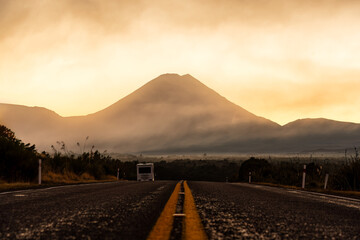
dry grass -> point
(54, 179)
(70, 177)
(66, 177)
(4, 186)
(109, 178)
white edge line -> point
(298, 191)
(48, 188)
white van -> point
(145, 171)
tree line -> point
(19, 162)
(343, 175)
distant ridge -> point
(176, 114)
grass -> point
(54, 179)
(69, 177)
(4, 186)
(66, 177)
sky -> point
(280, 59)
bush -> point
(347, 177)
(18, 161)
(259, 168)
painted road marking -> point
(163, 226)
(321, 197)
(192, 226)
(56, 187)
(179, 215)
(19, 195)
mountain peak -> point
(166, 86)
(174, 77)
(169, 75)
(180, 97)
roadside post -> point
(303, 178)
(39, 171)
(249, 177)
(118, 174)
(326, 180)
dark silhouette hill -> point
(36, 125)
(320, 135)
(176, 114)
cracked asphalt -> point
(120, 210)
(243, 211)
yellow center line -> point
(163, 226)
(192, 227)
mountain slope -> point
(173, 90)
(174, 113)
(171, 111)
(31, 124)
(320, 134)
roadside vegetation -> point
(19, 167)
(19, 164)
(343, 175)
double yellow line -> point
(192, 226)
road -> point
(121, 210)
(143, 210)
(244, 211)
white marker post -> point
(326, 180)
(118, 174)
(39, 171)
(249, 177)
(303, 178)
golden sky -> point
(280, 59)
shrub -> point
(18, 161)
(259, 168)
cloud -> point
(297, 53)
(330, 93)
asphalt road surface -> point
(121, 210)
(129, 210)
(244, 211)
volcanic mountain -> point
(175, 114)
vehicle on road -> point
(145, 171)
